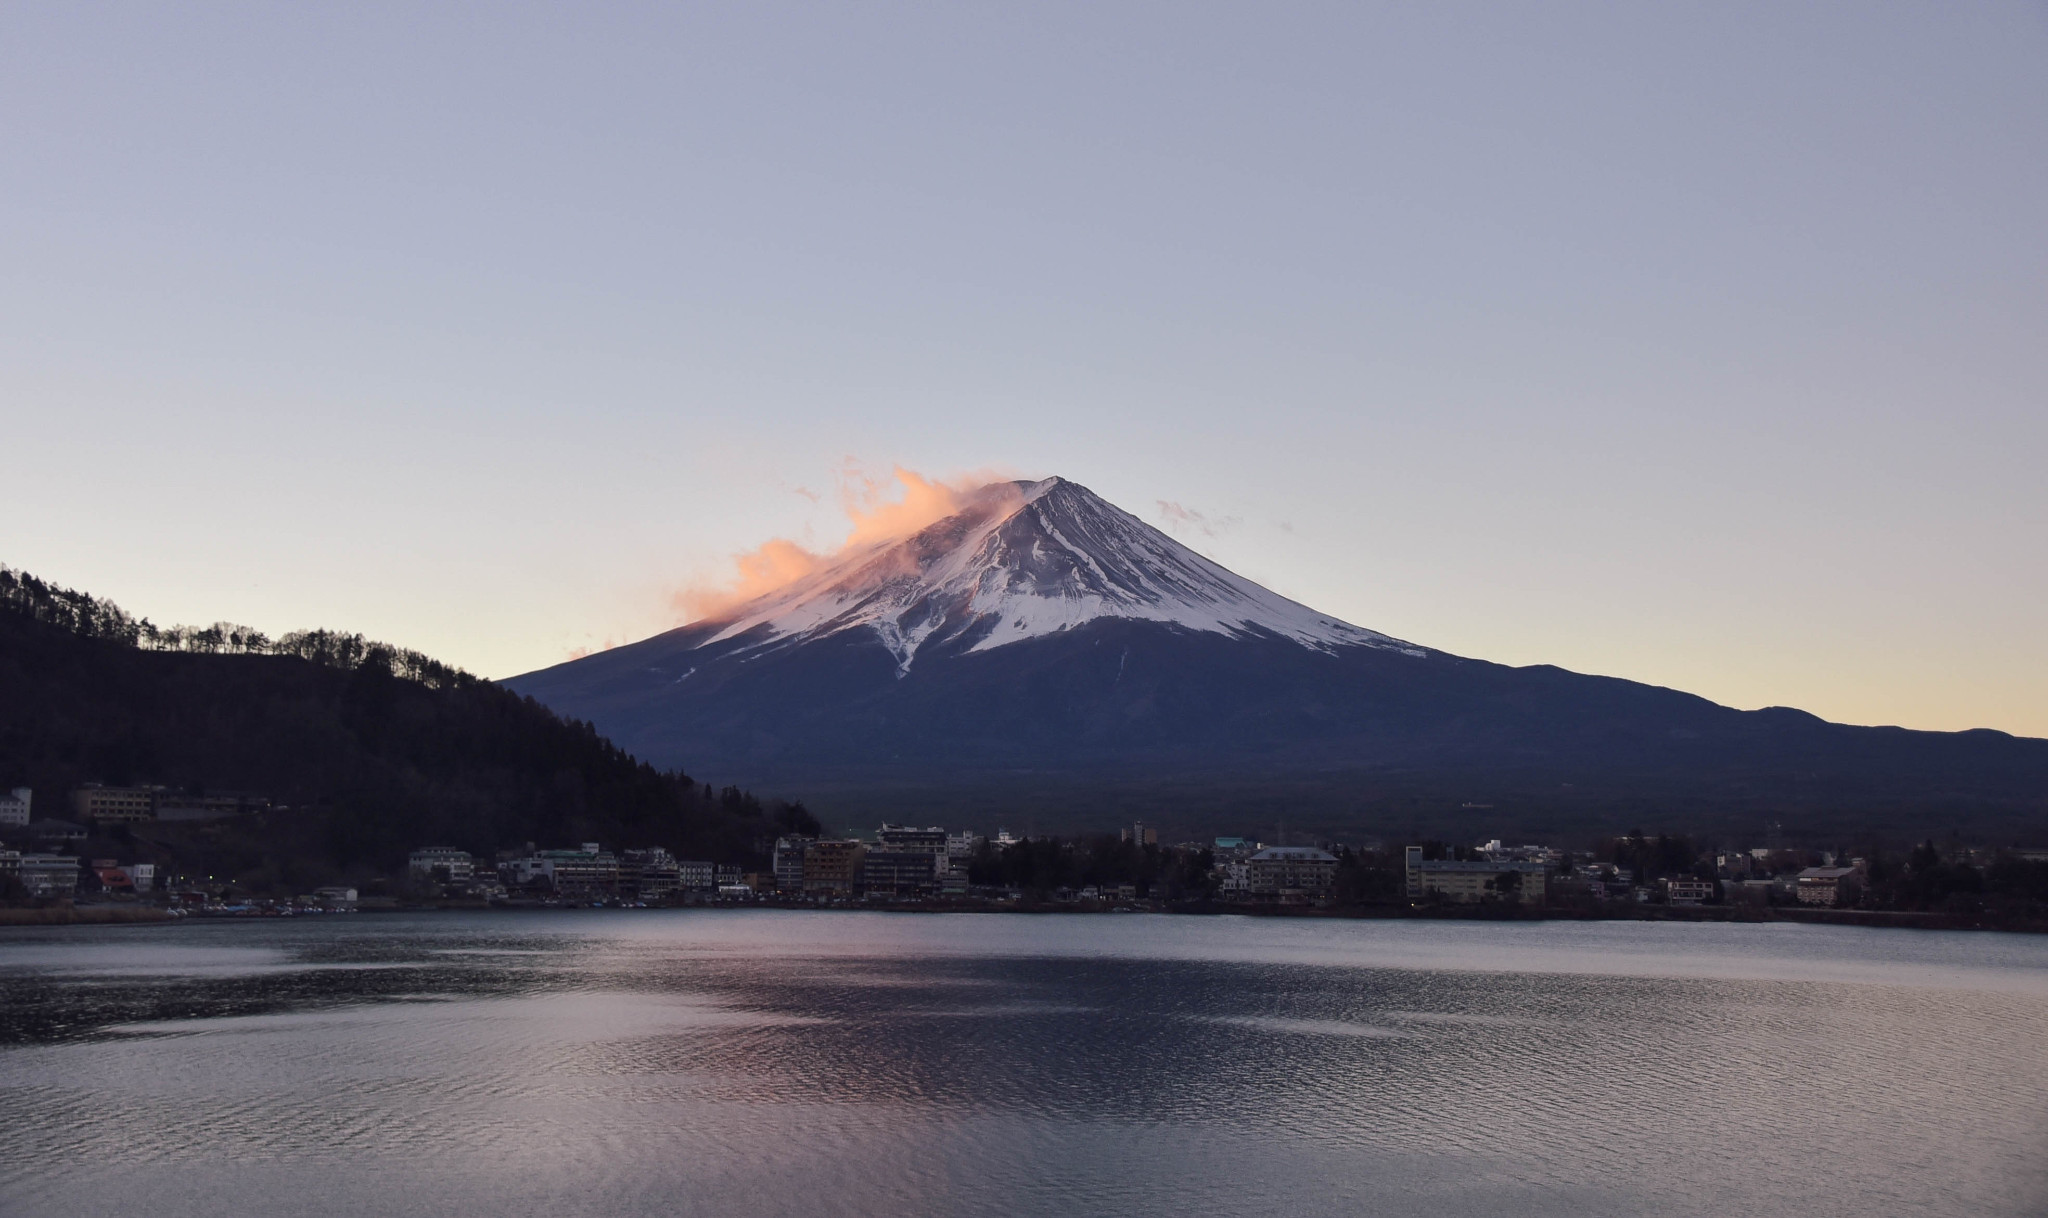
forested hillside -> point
(374, 749)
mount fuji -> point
(1046, 657)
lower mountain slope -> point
(1208, 732)
(1044, 657)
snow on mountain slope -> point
(1027, 559)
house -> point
(1688, 891)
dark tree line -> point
(376, 750)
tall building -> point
(789, 863)
(832, 867)
(898, 873)
(14, 806)
(906, 861)
(1142, 835)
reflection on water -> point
(703, 1062)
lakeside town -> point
(98, 857)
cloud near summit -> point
(878, 510)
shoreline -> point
(87, 915)
(150, 915)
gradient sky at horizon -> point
(1700, 344)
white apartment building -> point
(1291, 871)
(49, 875)
(14, 806)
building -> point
(10, 864)
(898, 873)
(789, 863)
(697, 875)
(114, 805)
(649, 875)
(1482, 880)
(335, 898)
(833, 867)
(1290, 873)
(1141, 835)
(1688, 891)
(579, 874)
(49, 875)
(110, 877)
(14, 807)
(904, 839)
(171, 805)
(960, 847)
(1822, 885)
(55, 833)
(443, 864)
(906, 861)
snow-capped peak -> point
(1022, 560)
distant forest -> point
(371, 750)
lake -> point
(791, 1063)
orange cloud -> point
(878, 510)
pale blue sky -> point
(1696, 344)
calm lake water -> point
(780, 1063)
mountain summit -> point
(1021, 561)
(1045, 657)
